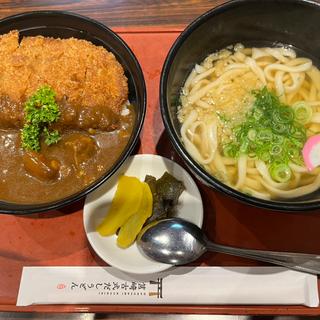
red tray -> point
(58, 238)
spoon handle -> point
(309, 263)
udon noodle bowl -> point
(246, 114)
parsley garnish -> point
(40, 111)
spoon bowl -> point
(176, 241)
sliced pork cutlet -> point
(14, 77)
(89, 82)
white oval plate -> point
(98, 202)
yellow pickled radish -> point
(129, 231)
(125, 203)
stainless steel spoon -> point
(176, 241)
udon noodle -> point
(218, 97)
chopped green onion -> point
(265, 135)
(244, 146)
(237, 131)
(252, 133)
(275, 150)
(265, 156)
(293, 153)
(279, 127)
(299, 133)
(278, 139)
(280, 172)
(297, 143)
(295, 156)
(302, 112)
(283, 115)
(257, 114)
(272, 132)
(230, 150)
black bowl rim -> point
(24, 209)
(214, 183)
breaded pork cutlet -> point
(89, 82)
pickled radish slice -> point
(129, 231)
(311, 152)
(125, 203)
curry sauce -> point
(62, 169)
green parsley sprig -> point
(40, 111)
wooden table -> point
(115, 13)
(233, 223)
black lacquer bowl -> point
(61, 24)
(252, 23)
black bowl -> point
(252, 23)
(65, 25)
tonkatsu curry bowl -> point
(240, 100)
(72, 105)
